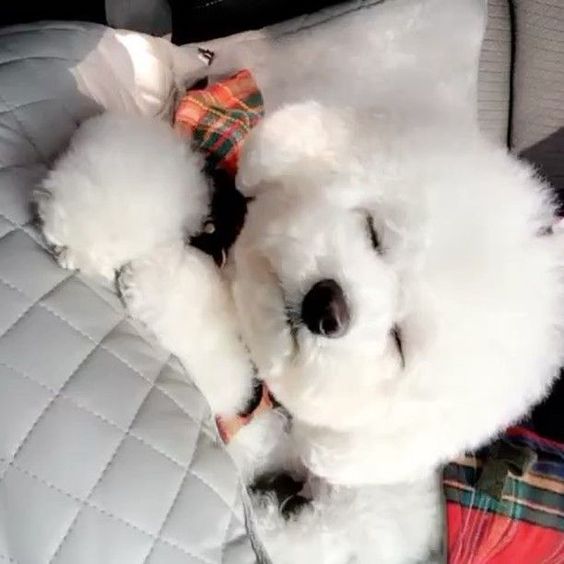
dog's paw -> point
(51, 220)
(64, 257)
(41, 200)
(178, 293)
(42, 216)
(280, 492)
(148, 285)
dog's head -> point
(394, 288)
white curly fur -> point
(465, 272)
(126, 184)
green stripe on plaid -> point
(254, 101)
(512, 509)
(544, 496)
(520, 500)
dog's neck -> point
(225, 221)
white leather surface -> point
(107, 451)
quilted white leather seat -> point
(107, 451)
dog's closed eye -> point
(373, 234)
(397, 337)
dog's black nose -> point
(325, 310)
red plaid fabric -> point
(220, 116)
(525, 524)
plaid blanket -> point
(220, 116)
(506, 506)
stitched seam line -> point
(102, 474)
(119, 358)
(10, 109)
(25, 134)
(98, 344)
(161, 528)
(105, 512)
(11, 222)
(9, 167)
(234, 518)
(90, 411)
(11, 230)
(45, 26)
(28, 309)
(43, 412)
(35, 58)
(229, 522)
(210, 487)
(157, 537)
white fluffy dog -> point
(399, 291)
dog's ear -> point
(303, 139)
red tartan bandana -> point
(228, 427)
(219, 117)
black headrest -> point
(200, 20)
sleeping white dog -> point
(398, 290)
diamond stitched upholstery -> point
(107, 453)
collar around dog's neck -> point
(218, 118)
(260, 402)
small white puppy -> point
(398, 289)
